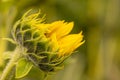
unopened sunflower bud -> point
(46, 45)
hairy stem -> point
(7, 71)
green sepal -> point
(59, 68)
(56, 69)
(22, 68)
(10, 40)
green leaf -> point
(22, 68)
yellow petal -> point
(43, 27)
(60, 28)
(69, 43)
(54, 43)
(75, 46)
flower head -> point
(47, 45)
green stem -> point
(10, 65)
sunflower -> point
(46, 44)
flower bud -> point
(46, 45)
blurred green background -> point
(97, 59)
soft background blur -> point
(97, 59)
